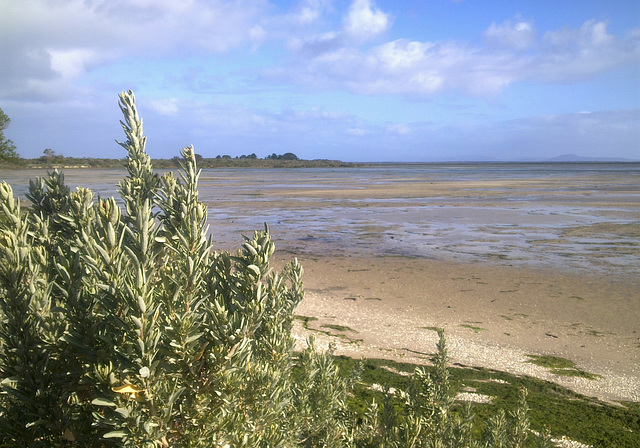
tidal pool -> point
(575, 216)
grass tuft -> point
(567, 413)
(338, 327)
(473, 327)
(561, 366)
(436, 329)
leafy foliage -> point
(7, 148)
(125, 328)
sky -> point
(352, 80)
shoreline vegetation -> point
(275, 161)
(287, 160)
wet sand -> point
(493, 316)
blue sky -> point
(355, 80)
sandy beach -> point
(493, 316)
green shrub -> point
(128, 329)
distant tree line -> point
(7, 148)
(252, 156)
(285, 156)
(52, 159)
(286, 160)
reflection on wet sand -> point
(514, 216)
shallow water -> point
(575, 217)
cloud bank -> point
(513, 52)
(46, 46)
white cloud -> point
(358, 132)
(70, 63)
(45, 45)
(165, 106)
(309, 11)
(362, 23)
(519, 35)
(407, 68)
(318, 45)
(590, 34)
(402, 54)
(365, 21)
(422, 69)
(399, 129)
(577, 54)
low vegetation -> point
(51, 160)
(564, 412)
(560, 366)
(8, 154)
(122, 326)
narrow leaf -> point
(193, 337)
(115, 435)
(103, 402)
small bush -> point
(121, 326)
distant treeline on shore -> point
(288, 160)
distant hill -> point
(577, 158)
